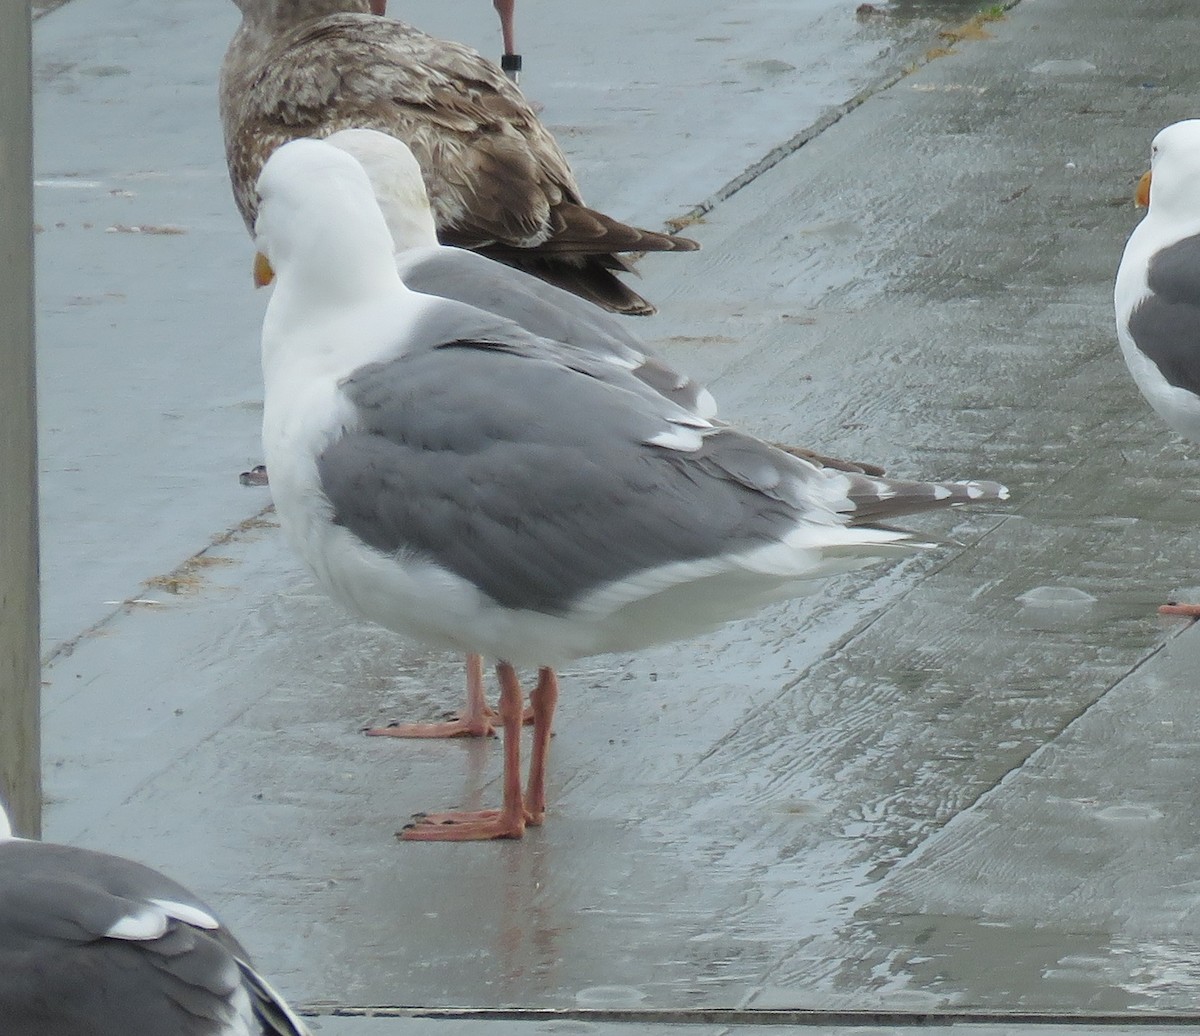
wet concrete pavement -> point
(966, 781)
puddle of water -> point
(609, 996)
(1056, 597)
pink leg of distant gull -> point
(506, 9)
(1190, 611)
(510, 60)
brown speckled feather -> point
(497, 180)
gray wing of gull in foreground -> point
(546, 311)
(92, 943)
(550, 312)
(540, 473)
(1166, 324)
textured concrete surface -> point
(864, 1025)
(952, 783)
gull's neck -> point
(263, 22)
(334, 308)
(409, 227)
(302, 303)
(274, 17)
(1163, 224)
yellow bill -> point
(263, 274)
(1141, 197)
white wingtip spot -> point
(941, 493)
(194, 916)
(148, 923)
(683, 440)
(690, 421)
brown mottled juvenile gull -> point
(452, 476)
(99, 945)
(497, 180)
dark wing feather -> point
(1166, 324)
(62, 974)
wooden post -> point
(20, 675)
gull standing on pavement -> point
(1157, 293)
(451, 476)
(546, 311)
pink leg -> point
(378, 7)
(1190, 611)
(543, 699)
(509, 822)
(474, 721)
(506, 9)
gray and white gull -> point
(99, 945)
(453, 476)
(540, 307)
(547, 311)
(1157, 291)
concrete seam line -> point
(789, 147)
(65, 648)
(765, 1016)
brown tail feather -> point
(590, 277)
(860, 467)
(576, 228)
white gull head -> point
(1173, 217)
(320, 227)
(1175, 171)
(396, 179)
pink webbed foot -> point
(1188, 611)
(472, 816)
(475, 826)
(474, 721)
(463, 726)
